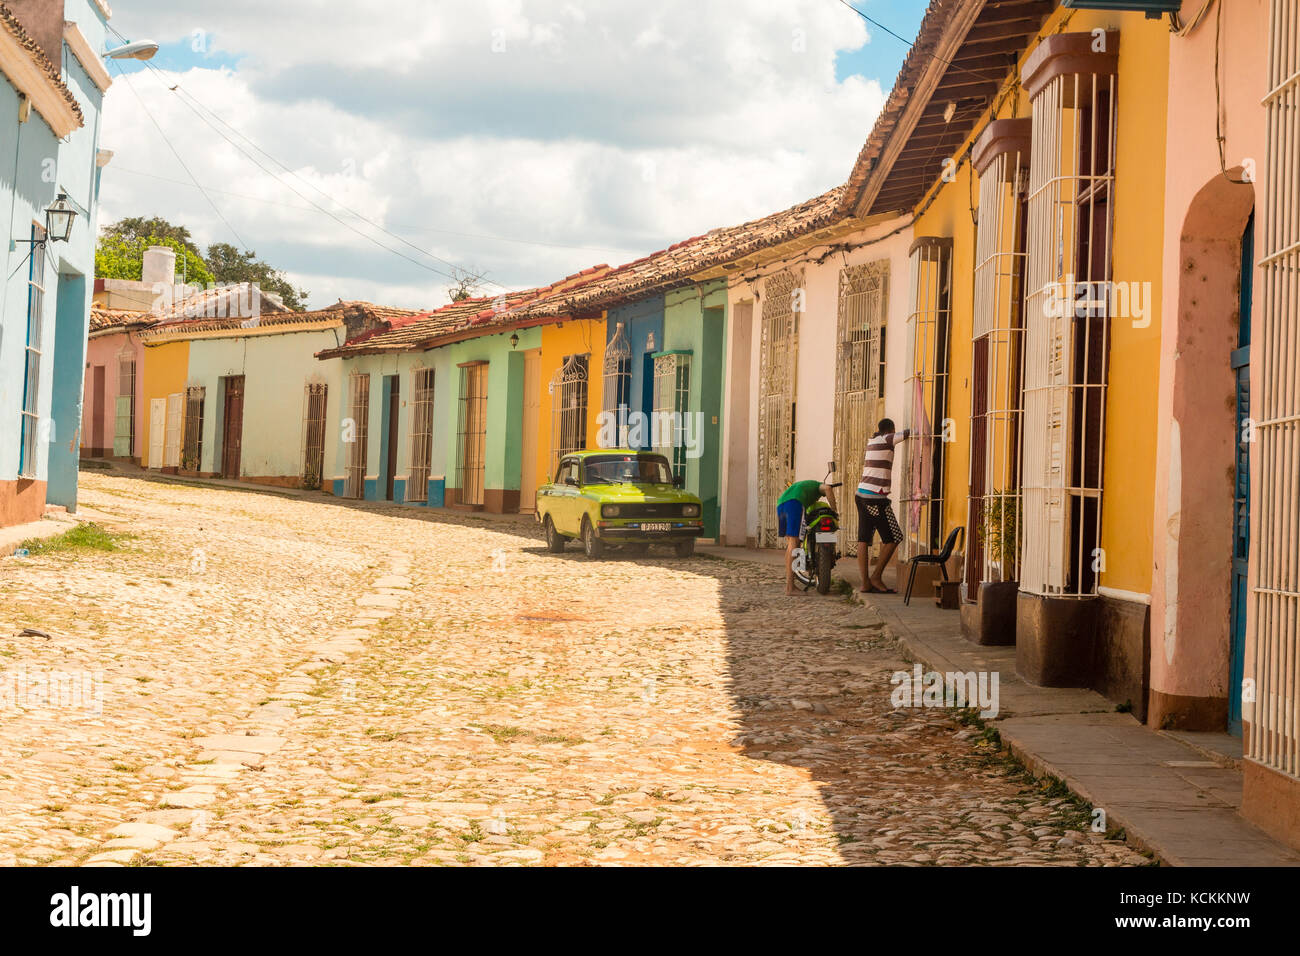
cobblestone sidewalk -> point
(302, 680)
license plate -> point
(656, 526)
(827, 537)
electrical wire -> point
(912, 45)
(176, 153)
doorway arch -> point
(1191, 595)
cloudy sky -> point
(521, 139)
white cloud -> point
(603, 124)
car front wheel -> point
(555, 541)
(684, 548)
(591, 544)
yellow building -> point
(163, 381)
(1032, 358)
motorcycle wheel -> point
(825, 564)
(805, 577)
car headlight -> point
(690, 511)
(609, 511)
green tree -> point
(121, 256)
(230, 265)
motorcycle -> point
(814, 559)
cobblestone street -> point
(300, 680)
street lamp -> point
(140, 50)
(58, 219)
(58, 222)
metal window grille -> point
(417, 482)
(929, 321)
(859, 375)
(124, 412)
(472, 439)
(778, 356)
(672, 399)
(1069, 230)
(192, 449)
(29, 454)
(354, 485)
(315, 402)
(1273, 656)
(569, 408)
(993, 524)
(617, 385)
(175, 429)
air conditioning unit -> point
(1154, 9)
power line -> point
(175, 153)
(911, 45)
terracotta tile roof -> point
(102, 320)
(9, 23)
(230, 304)
(674, 266)
(468, 318)
(184, 328)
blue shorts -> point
(789, 519)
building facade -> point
(50, 100)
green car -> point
(621, 498)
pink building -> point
(110, 415)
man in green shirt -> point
(790, 507)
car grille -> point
(650, 511)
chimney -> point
(159, 266)
(43, 21)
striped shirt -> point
(878, 464)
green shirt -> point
(807, 493)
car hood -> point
(639, 493)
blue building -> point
(50, 100)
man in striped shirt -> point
(875, 513)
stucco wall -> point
(1192, 521)
(34, 168)
(164, 371)
(105, 350)
(815, 387)
(276, 370)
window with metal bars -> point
(617, 386)
(569, 407)
(124, 411)
(192, 447)
(29, 446)
(672, 400)
(1067, 304)
(926, 393)
(417, 483)
(357, 430)
(1001, 158)
(315, 399)
(1273, 662)
(859, 374)
(472, 437)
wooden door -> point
(531, 423)
(232, 433)
(97, 410)
(157, 431)
(394, 407)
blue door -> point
(1241, 489)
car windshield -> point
(629, 469)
